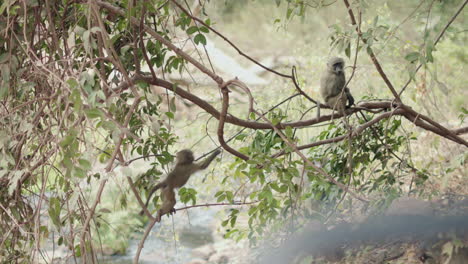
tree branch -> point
(308, 162)
(228, 41)
(167, 43)
(371, 53)
(222, 118)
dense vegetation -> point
(89, 88)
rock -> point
(460, 256)
(197, 261)
(204, 252)
(410, 206)
(196, 236)
(315, 226)
(219, 258)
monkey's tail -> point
(155, 188)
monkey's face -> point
(336, 65)
(338, 68)
(185, 156)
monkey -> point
(177, 178)
(332, 84)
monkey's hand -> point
(349, 98)
(161, 213)
(158, 217)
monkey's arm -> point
(205, 163)
(349, 97)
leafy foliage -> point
(72, 114)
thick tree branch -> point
(298, 124)
(241, 122)
(417, 120)
(460, 131)
(447, 133)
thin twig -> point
(141, 245)
(442, 32)
(371, 53)
(228, 41)
(104, 181)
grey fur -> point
(332, 83)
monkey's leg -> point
(153, 190)
(337, 102)
(168, 196)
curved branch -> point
(142, 241)
(140, 202)
(298, 88)
(246, 123)
(447, 133)
(409, 114)
(222, 119)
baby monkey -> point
(332, 84)
(177, 178)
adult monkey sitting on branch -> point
(178, 177)
(333, 83)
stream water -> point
(172, 241)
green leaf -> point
(204, 29)
(54, 210)
(230, 196)
(348, 50)
(412, 56)
(170, 115)
(67, 140)
(221, 198)
(199, 38)
(429, 50)
(192, 30)
(289, 12)
(93, 113)
(172, 105)
(376, 19)
(85, 164)
(80, 173)
(289, 132)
